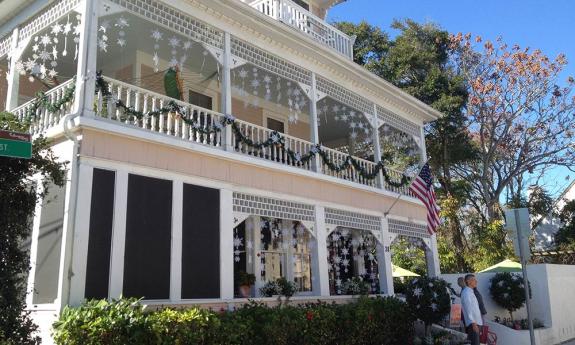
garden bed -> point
(380, 320)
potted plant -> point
(245, 281)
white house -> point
(545, 231)
(266, 161)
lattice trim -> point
(45, 18)
(352, 220)
(343, 95)
(5, 43)
(269, 61)
(175, 20)
(398, 122)
(408, 229)
(274, 208)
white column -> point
(13, 77)
(81, 235)
(384, 260)
(34, 243)
(64, 271)
(118, 235)
(176, 252)
(226, 99)
(377, 147)
(422, 146)
(432, 257)
(320, 274)
(226, 244)
(87, 58)
(314, 130)
(253, 226)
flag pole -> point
(386, 213)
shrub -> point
(379, 321)
(280, 286)
(508, 291)
(99, 322)
(428, 299)
(356, 286)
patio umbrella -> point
(504, 266)
(402, 272)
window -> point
(200, 100)
(275, 125)
(352, 254)
(302, 4)
(283, 250)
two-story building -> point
(221, 136)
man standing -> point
(473, 319)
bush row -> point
(382, 320)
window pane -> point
(148, 238)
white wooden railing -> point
(350, 173)
(143, 100)
(298, 17)
(43, 119)
(275, 152)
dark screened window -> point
(100, 234)
(200, 100)
(302, 4)
(276, 125)
(148, 238)
(201, 242)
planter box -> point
(509, 336)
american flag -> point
(422, 188)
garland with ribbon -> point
(43, 101)
(275, 138)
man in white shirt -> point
(471, 311)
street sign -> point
(517, 223)
(15, 145)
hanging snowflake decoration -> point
(47, 48)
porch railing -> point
(41, 117)
(303, 20)
(142, 100)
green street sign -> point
(15, 145)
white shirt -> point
(470, 306)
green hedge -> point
(379, 321)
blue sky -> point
(548, 25)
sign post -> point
(15, 145)
(517, 223)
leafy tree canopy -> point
(18, 199)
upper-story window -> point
(302, 4)
(200, 100)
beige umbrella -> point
(402, 272)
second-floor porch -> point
(184, 79)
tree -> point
(17, 203)
(565, 237)
(418, 61)
(521, 120)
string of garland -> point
(43, 101)
(275, 138)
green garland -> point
(275, 139)
(43, 101)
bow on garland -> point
(275, 138)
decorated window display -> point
(352, 262)
(282, 250)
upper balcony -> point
(304, 21)
(286, 116)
